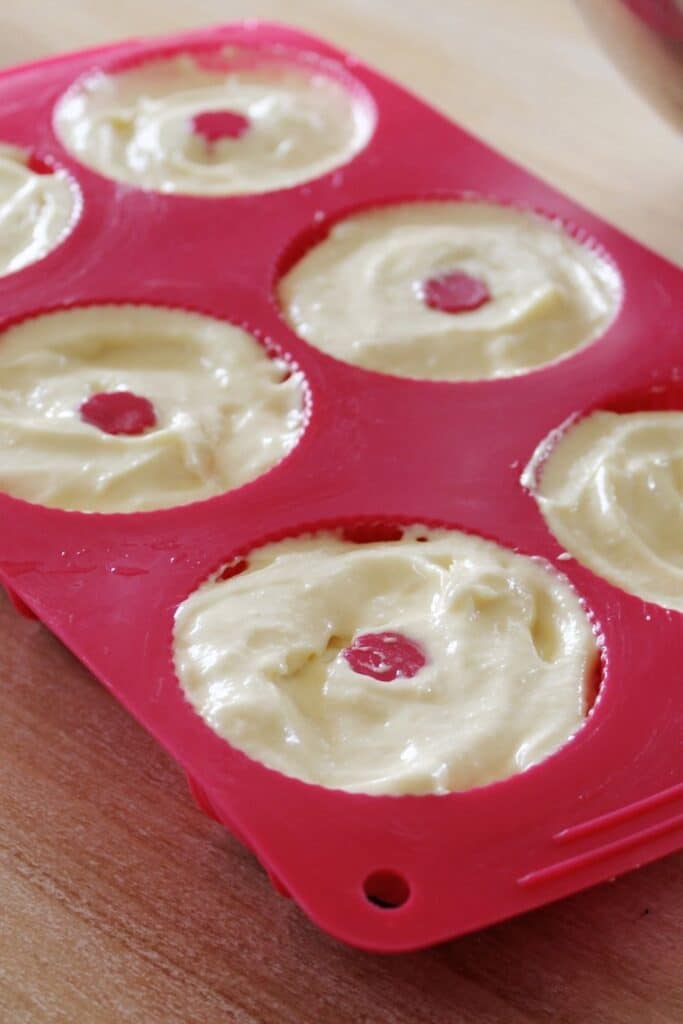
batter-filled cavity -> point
(38, 205)
(611, 491)
(221, 124)
(449, 291)
(128, 408)
(430, 663)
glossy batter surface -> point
(36, 210)
(226, 125)
(410, 666)
(384, 291)
(127, 408)
(611, 491)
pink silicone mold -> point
(383, 873)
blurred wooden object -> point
(644, 38)
(119, 901)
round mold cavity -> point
(216, 121)
(162, 406)
(447, 287)
(389, 685)
(609, 485)
(40, 204)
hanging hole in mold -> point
(386, 889)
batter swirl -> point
(449, 291)
(36, 209)
(611, 491)
(433, 663)
(127, 408)
(236, 123)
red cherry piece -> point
(372, 533)
(215, 125)
(455, 292)
(233, 568)
(119, 412)
(37, 165)
(385, 656)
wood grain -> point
(119, 901)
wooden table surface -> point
(119, 901)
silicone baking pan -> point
(382, 873)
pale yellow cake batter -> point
(36, 210)
(509, 658)
(137, 125)
(225, 412)
(358, 295)
(611, 491)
